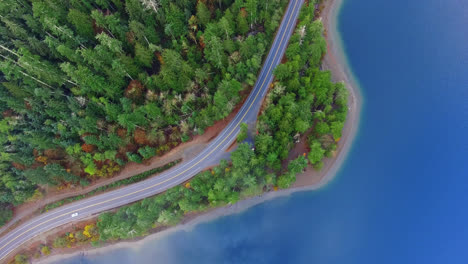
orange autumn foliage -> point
(135, 90)
(87, 148)
(122, 132)
(201, 42)
(243, 12)
(18, 166)
(140, 136)
(160, 58)
(42, 159)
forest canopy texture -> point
(303, 102)
(87, 86)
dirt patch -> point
(232, 146)
(301, 148)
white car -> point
(74, 215)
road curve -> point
(208, 157)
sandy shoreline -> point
(335, 61)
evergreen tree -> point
(82, 23)
(203, 14)
(242, 24)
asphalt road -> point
(208, 157)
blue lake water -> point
(402, 195)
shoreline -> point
(336, 61)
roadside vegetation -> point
(114, 185)
(87, 86)
(302, 101)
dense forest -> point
(89, 85)
(303, 101)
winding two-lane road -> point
(208, 157)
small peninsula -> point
(160, 92)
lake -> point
(402, 194)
